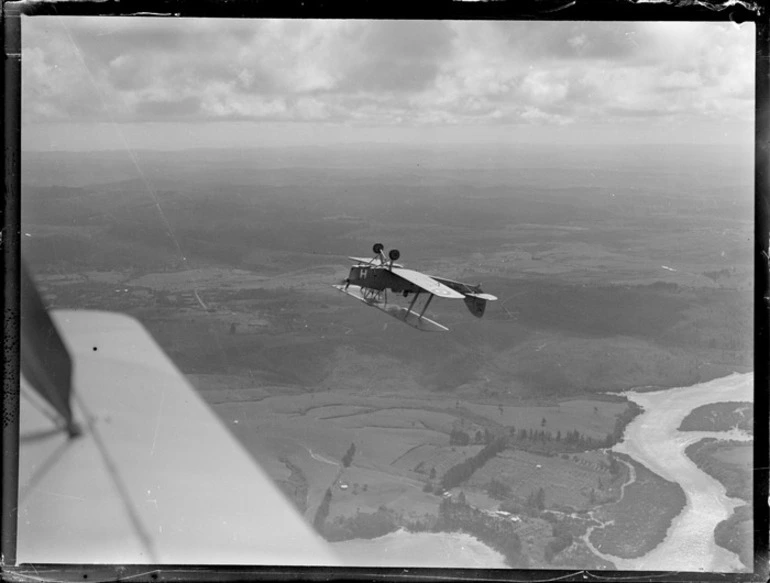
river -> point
(420, 549)
(654, 439)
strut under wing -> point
(407, 316)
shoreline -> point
(402, 548)
(735, 532)
(654, 440)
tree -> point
(348, 457)
(458, 437)
(323, 511)
(498, 490)
(536, 499)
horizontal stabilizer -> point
(481, 296)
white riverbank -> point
(654, 439)
(421, 549)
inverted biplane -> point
(370, 280)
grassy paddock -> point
(729, 462)
(638, 522)
(720, 417)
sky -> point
(166, 83)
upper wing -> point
(154, 477)
(427, 283)
(465, 289)
(372, 260)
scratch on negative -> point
(157, 423)
(61, 495)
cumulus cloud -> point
(383, 72)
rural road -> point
(320, 458)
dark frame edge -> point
(761, 295)
(11, 217)
(605, 10)
(11, 257)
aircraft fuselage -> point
(380, 278)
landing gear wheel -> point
(378, 247)
(394, 254)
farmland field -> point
(512, 413)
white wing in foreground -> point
(155, 476)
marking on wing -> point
(427, 283)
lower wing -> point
(407, 316)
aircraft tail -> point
(476, 306)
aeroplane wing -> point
(153, 477)
(427, 283)
(372, 261)
(407, 316)
(465, 289)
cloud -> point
(398, 56)
(169, 108)
(614, 41)
(384, 72)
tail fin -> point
(476, 306)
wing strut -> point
(425, 307)
(414, 299)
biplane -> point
(370, 279)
